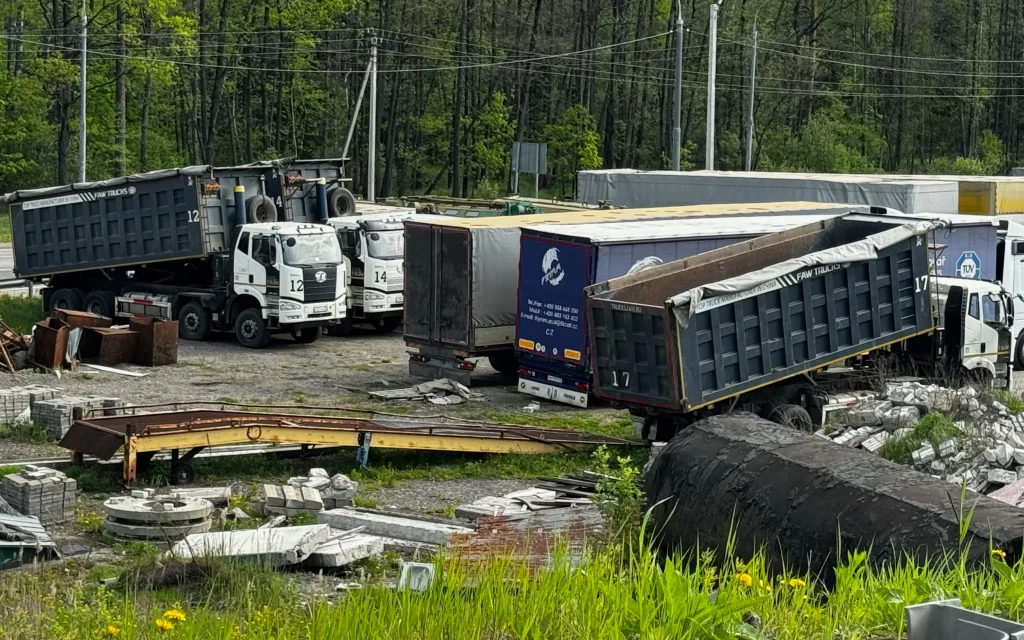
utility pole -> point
(81, 117)
(709, 142)
(749, 157)
(678, 100)
(355, 111)
(372, 161)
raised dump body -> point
(699, 331)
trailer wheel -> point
(792, 415)
(99, 302)
(67, 299)
(307, 336)
(342, 329)
(251, 329)
(506, 363)
(193, 322)
(340, 202)
(260, 208)
(386, 324)
(183, 474)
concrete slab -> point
(391, 526)
(273, 495)
(159, 511)
(338, 553)
(171, 531)
(311, 499)
(218, 496)
(292, 497)
(277, 547)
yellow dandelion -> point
(112, 631)
(999, 553)
(175, 614)
(744, 579)
(796, 583)
(164, 624)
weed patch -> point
(934, 427)
(26, 433)
(1013, 401)
(21, 312)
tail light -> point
(415, 357)
(583, 386)
(467, 366)
(526, 373)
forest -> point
(907, 86)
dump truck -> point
(373, 245)
(286, 189)
(461, 278)
(172, 244)
(760, 324)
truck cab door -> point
(264, 274)
(240, 263)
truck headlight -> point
(290, 306)
(373, 295)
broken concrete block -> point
(867, 413)
(390, 526)
(341, 482)
(875, 443)
(346, 550)
(273, 495)
(1004, 455)
(317, 483)
(990, 455)
(1001, 476)
(218, 496)
(862, 434)
(292, 497)
(317, 472)
(311, 499)
(924, 455)
(947, 448)
(278, 547)
(938, 466)
(238, 514)
(900, 417)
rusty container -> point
(158, 340)
(50, 339)
(106, 346)
(81, 318)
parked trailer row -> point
(753, 325)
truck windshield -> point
(311, 250)
(385, 245)
(992, 309)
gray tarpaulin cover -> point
(630, 188)
(687, 304)
(28, 194)
(495, 275)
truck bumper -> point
(551, 392)
(391, 302)
(314, 312)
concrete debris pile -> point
(147, 517)
(42, 492)
(987, 455)
(444, 392)
(278, 547)
(311, 494)
(57, 414)
(16, 403)
(423, 531)
(517, 502)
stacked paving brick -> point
(14, 401)
(56, 415)
(42, 492)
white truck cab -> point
(373, 246)
(975, 319)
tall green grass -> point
(21, 312)
(622, 591)
(934, 427)
(5, 226)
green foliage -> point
(26, 432)
(991, 153)
(21, 312)
(490, 153)
(618, 495)
(934, 427)
(572, 144)
(364, 503)
(957, 166)
(1013, 400)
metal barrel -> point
(321, 198)
(239, 205)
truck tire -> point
(1018, 359)
(340, 202)
(67, 299)
(342, 329)
(506, 363)
(260, 208)
(99, 302)
(251, 329)
(194, 322)
(792, 415)
(386, 324)
(307, 336)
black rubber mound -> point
(799, 496)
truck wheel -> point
(506, 363)
(387, 324)
(340, 202)
(792, 415)
(307, 336)
(1018, 360)
(99, 302)
(260, 208)
(251, 329)
(341, 329)
(67, 299)
(194, 322)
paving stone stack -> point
(56, 415)
(310, 493)
(14, 401)
(42, 492)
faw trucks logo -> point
(552, 267)
(321, 276)
(73, 198)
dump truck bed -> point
(698, 331)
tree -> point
(488, 157)
(572, 145)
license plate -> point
(320, 309)
(550, 392)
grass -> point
(364, 503)
(5, 227)
(619, 425)
(21, 312)
(1013, 401)
(934, 427)
(25, 433)
(624, 591)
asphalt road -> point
(6, 261)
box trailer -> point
(171, 241)
(461, 279)
(749, 326)
(632, 188)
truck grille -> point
(325, 291)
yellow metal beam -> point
(335, 438)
